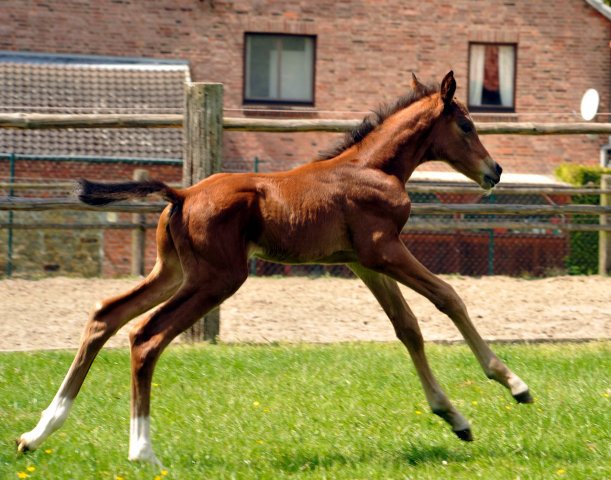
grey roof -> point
(60, 88)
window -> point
(492, 70)
(279, 69)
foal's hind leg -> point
(152, 335)
(392, 258)
(406, 326)
(106, 318)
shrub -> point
(583, 257)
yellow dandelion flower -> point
(22, 475)
(155, 384)
(256, 404)
(119, 478)
(157, 477)
(549, 389)
(474, 403)
(536, 399)
(48, 451)
(418, 413)
(477, 388)
(31, 469)
(560, 472)
(259, 441)
(507, 407)
(164, 472)
(266, 410)
(606, 394)
(502, 399)
(539, 409)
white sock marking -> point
(517, 385)
(52, 419)
(140, 444)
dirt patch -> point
(51, 313)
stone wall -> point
(47, 253)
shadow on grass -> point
(416, 455)
(411, 455)
(301, 461)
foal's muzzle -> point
(492, 178)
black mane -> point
(372, 121)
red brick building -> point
(514, 61)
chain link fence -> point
(468, 250)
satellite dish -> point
(589, 104)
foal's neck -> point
(399, 145)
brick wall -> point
(366, 51)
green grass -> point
(332, 411)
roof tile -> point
(36, 88)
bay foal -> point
(347, 207)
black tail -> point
(93, 193)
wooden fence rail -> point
(437, 226)
(39, 205)
(43, 204)
(66, 186)
(77, 226)
(410, 188)
(412, 225)
(31, 121)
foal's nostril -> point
(499, 170)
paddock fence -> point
(513, 231)
(453, 229)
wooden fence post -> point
(203, 156)
(139, 234)
(604, 245)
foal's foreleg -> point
(106, 318)
(406, 327)
(393, 259)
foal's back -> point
(308, 214)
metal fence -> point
(534, 252)
(468, 244)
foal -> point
(347, 207)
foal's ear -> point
(416, 85)
(448, 88)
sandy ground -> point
(51, 313)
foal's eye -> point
(466, 127)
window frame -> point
(493, 108)
(271, 101)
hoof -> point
(465, 435)
(22, 447)
(524, 397)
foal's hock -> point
(349, 206)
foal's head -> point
(455, 141)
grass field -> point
(350, 411)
